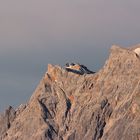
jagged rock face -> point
(69, 106)
(6, 120)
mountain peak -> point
(71, 105)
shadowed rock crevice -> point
(68, 107)
(46, 112)
(103, 115)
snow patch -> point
(137, 51)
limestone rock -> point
(70, 106)
(6, 120)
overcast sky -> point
(34, 33)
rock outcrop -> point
(77, 68)
(70, 106)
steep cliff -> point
(69, 106)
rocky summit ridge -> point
(68, 106)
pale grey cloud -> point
(34, 33)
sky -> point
(34, 33)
